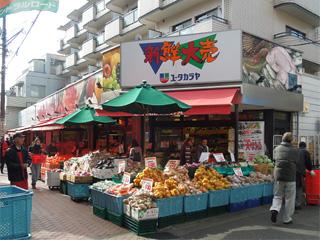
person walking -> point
(286, 157)
(186, 151)
(135, 152)
(36, 151)
(4, 147)
(304, 162)
(17, 160)
(202, 147)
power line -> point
(16, 52)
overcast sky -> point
(42, 39)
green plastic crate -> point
(64, 187)
(100, 212)
(115, 218)
(143, 227)
(196, 215)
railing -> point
(167, 2)
(311, 6)
(100, 39)
(130, 18)
(296, 35)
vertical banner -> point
(251, 139)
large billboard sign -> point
(192, 59)
(267, 64)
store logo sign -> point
(196, 52)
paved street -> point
(55, 216)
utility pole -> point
(3, 71)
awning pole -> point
(236, 132)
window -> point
(181, 25)
(203, 16)
(295, 32)
(37, 91)
(100, 6)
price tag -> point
(233, 159)
(204, 157)
(146, 184)
(238, 172)
(121, 166)
(172, 164)
(151, 162)
(219, 157)
(126, 178)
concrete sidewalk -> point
(55, 216)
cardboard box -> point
(79, 179)
(63, 176)
(151, 213)
(127, 210)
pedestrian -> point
(304, 162)
(17, 160)
(186, 151)
(4, 147)
(202, 147)
(286, 157)
(51, 149)
(36, 151)
(135, 152)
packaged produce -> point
(103, 185)
(141, 199)
(208, 179)
(121, 190)
(253, 178)
(153, 173)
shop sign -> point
(204, 157)
(238, 172)
(189, 59)
(219, 157)
(146, 184)
(151, 162)
(126, 178)
(145, 214)
(172, 164)
(251, 139)
(121, 166)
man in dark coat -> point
(304, 162)
(202, 147)
(17, 160)
(286, 157)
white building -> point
(36, 82)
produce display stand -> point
(142, 227)
(78, 191)
(15, 213)
(52, 179)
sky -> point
(43, 38)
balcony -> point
(210, 24)
(119, 6)
(76, 35)
(96, 17)
(309, 47)
(124, 28)
(64, 48)
(71, 60)
(59, 69)
(308, 10)
(153, 11)
(88, 48)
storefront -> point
(242, 89)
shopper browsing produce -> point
(135, 151)
(17, 160)
(202, 147)
(36, 150)
(286, 157)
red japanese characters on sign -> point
(151, 162)
(219, 157)
(121, 166)
(172, 164)
(238, 172)
(146, 184)
(126, 178)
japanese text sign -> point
(238, 172)
(146, 184)
(151, 162)
(189, 59)
(172, 164)
(126, 178)
(219, 157)
(121, 166)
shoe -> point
(274, 215)
(290, 222)
(34, 187)
(298, 208)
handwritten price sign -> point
(219, 157)
(151, 162)
(126, 178)
(146, 184)
(121, 166)
(238, 172)
(172, 164)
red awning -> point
(104, 113)
(211, 101)
(48, 125)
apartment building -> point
(36, 82)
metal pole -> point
(236, 132)
(3, 67)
